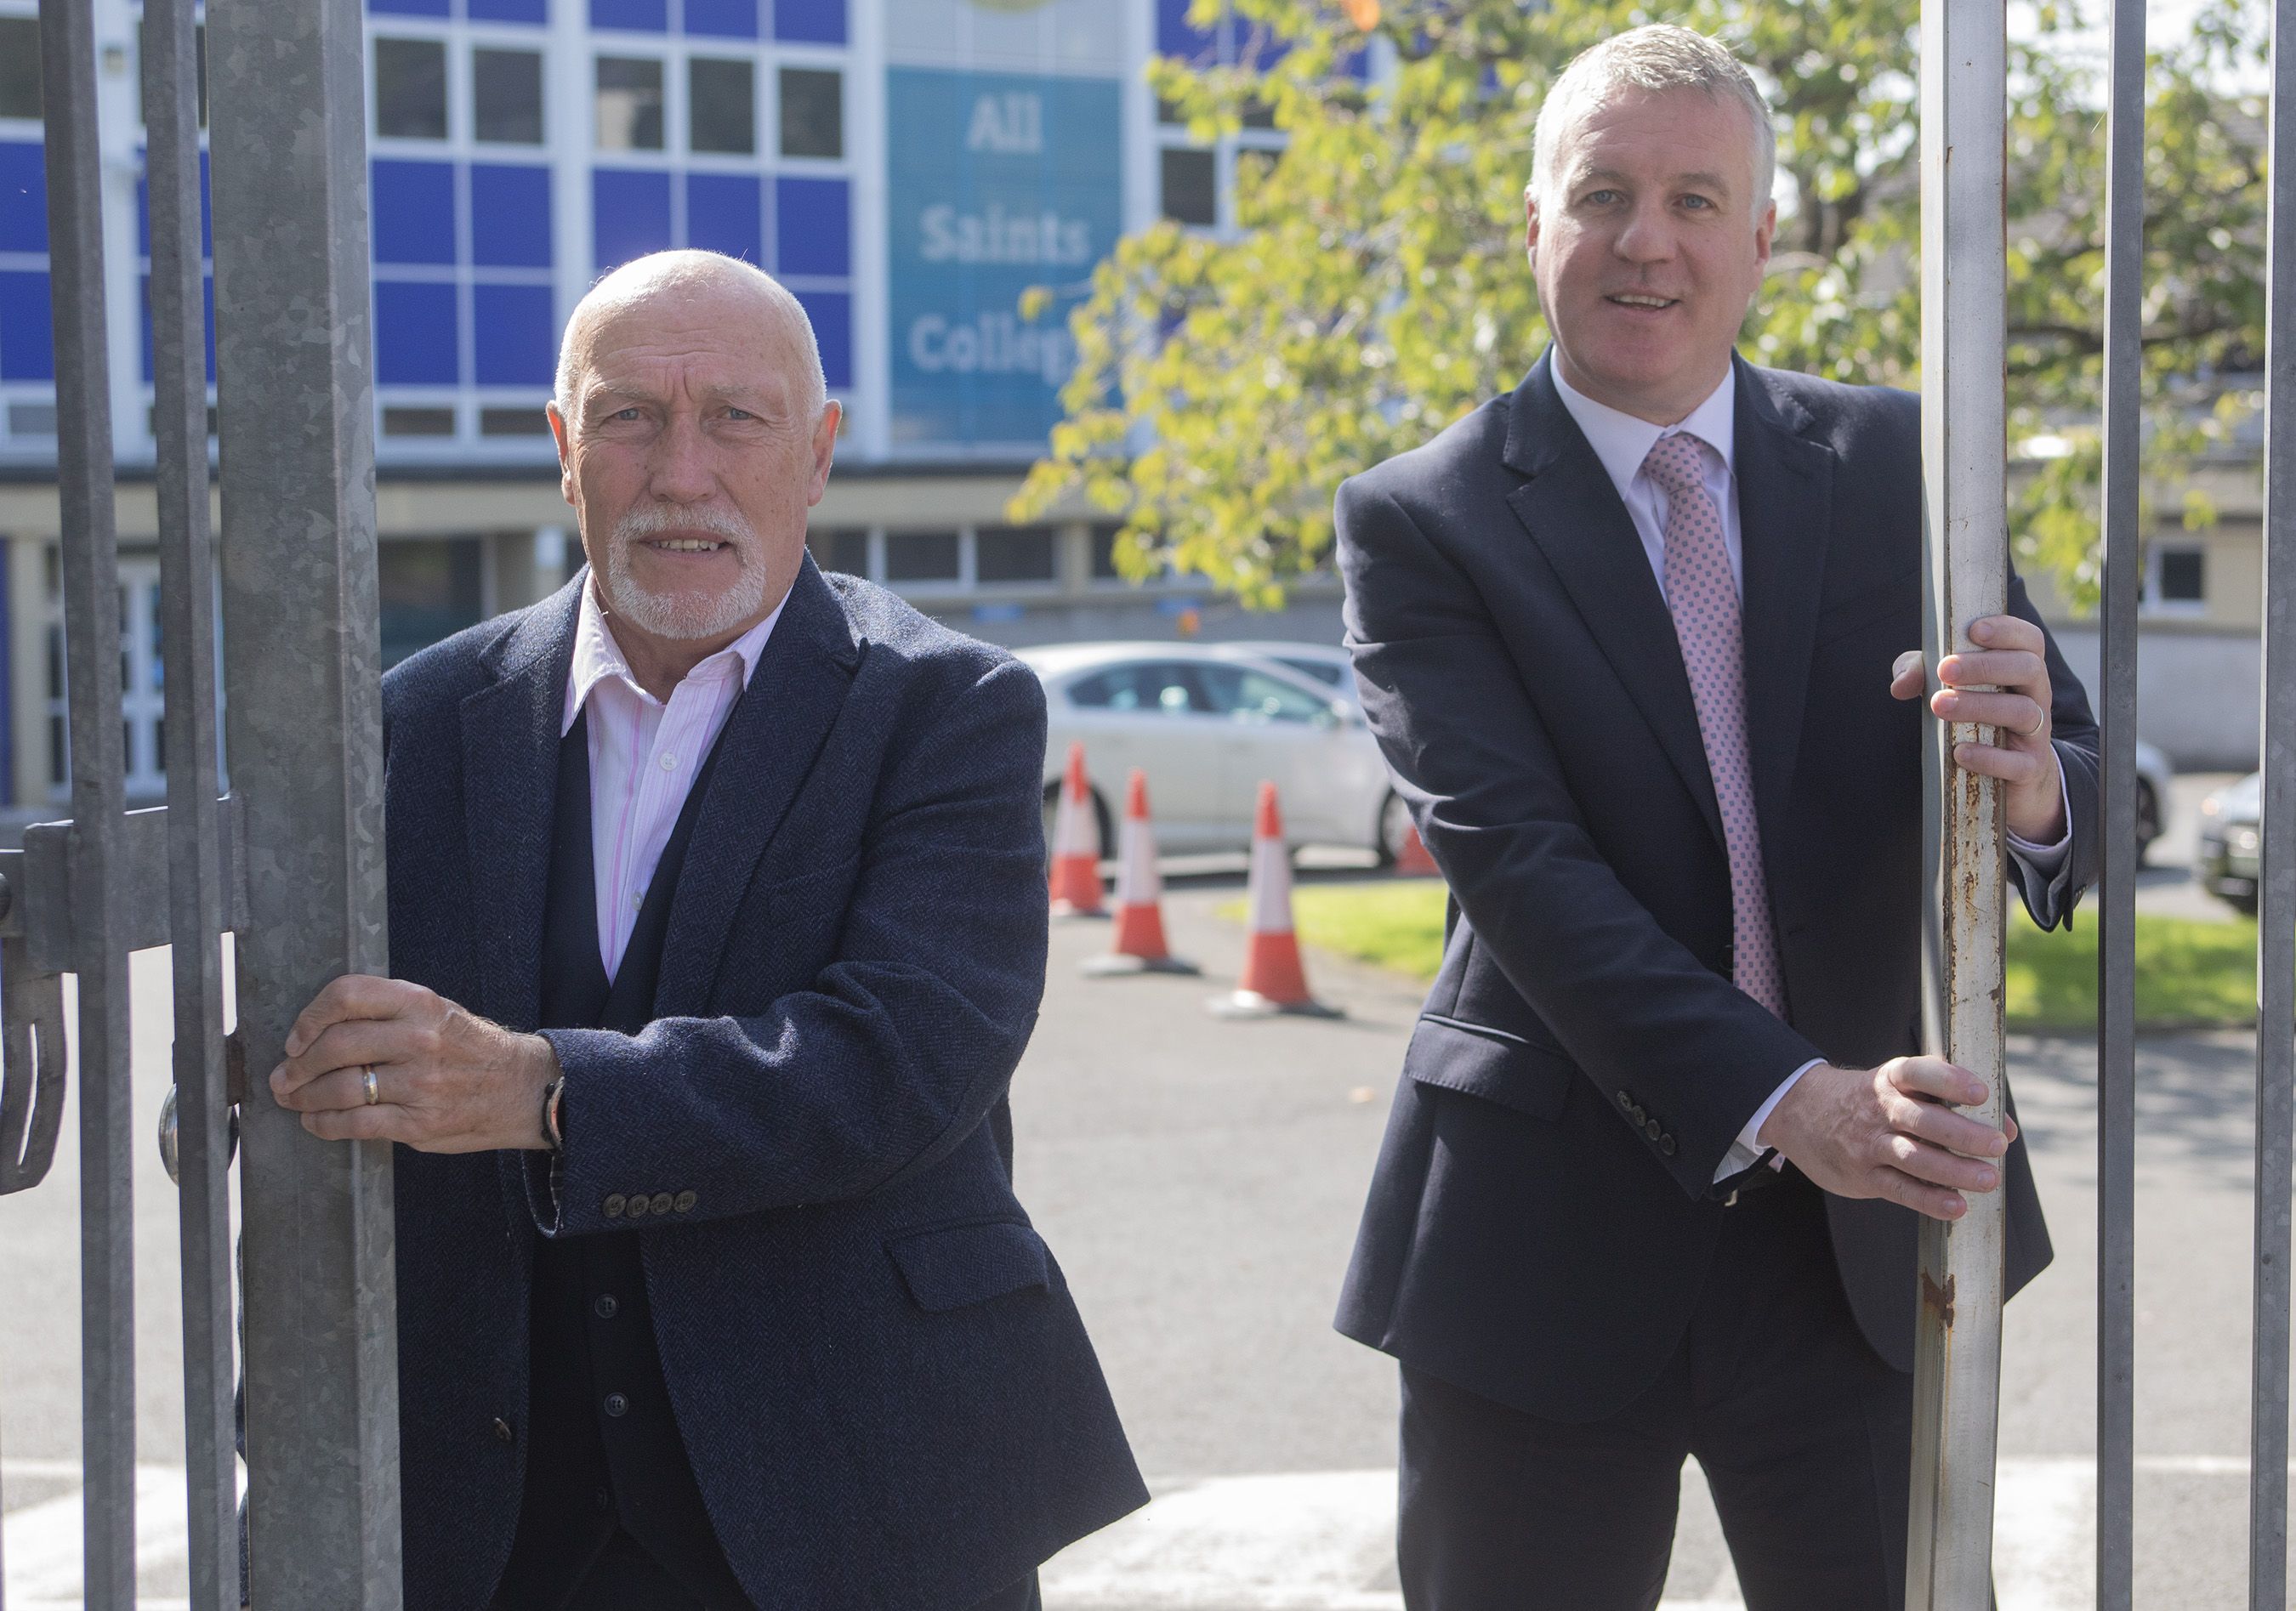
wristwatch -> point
(553, 1136)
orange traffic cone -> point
(1076, 846)
(1413, 861)
(1139, 946)
(1272, 979)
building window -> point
(410, 89)
(629, 104)
(418, 421)
(429, 588)
(19, 67)
(527, 421)
(922, 556)
(1014, 554)
(845, 551)
(2176, 579)
(507, 96)
(1191, 187)
(722, 105)
(1103, 554)
(813, 112)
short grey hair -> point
(1658, 57)
(642, 277)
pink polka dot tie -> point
(1704, 603)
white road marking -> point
(1312, 1541)
(1317, 1541)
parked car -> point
(2231, 856)
(2154, 777)
(1206, 724)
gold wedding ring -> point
(367, 1078)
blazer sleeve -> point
(2073, 734)
(1632, 1006)
(898, 1050)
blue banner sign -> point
(997, 182)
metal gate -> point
(290, 864)
(1963, 342)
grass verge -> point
(2189, 973)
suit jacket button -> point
(616, 1404)
(604, 1306)
(638, 1205)
(1650, 1129)
(1637, 1113)
(1627, 1101)
(685, 1203)
(503, 1434)
(1665, 1145)
(661, 1203)
(613, 1205)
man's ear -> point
(565, 459)
(825, 448)
(1530, 221)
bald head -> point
(749, 305)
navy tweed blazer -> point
(887, 1395)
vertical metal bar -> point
(1964, 441)
(92, 641)
(187, 597)
(2275, 1020)
(2116, 919)
(303, 718)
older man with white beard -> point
(717, 925)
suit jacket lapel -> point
(1785, 521)
(510, 776)
(773, 733)
(1573, 512)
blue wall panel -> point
(510, 216)
(813, 226)
(409, 8)
(1175, 38)
(515, 330)
(23, 197)
(646, 16)
(629, 215)
(723, 213)
(414, 212)
(509, 10)
(722, 18)
(831, 313)
(415, 333)
(28, 347)
(809, 22)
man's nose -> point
(681, 468)
(1648, 236)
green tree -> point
(1375, 287)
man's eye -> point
(624, 413)
(1696, 201)
(739, 414)
(1602, 197)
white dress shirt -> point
(643, 756)
(1622, 442)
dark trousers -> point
(1804, 1433)
(626, 1578)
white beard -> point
(684, 617)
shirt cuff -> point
(1747, 1151)
(2043, 868)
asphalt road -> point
(1200, 1181)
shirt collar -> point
(597, 656)
(1622, 442)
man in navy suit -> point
(718, 926)
(1634, 642)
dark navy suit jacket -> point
(886, 1393)
(1545, 1207)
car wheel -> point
(2148, 819)
(1394, 829)
(1100, 816)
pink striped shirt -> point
(644, 755)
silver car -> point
(1207, 724)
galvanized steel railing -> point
(291, 863)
